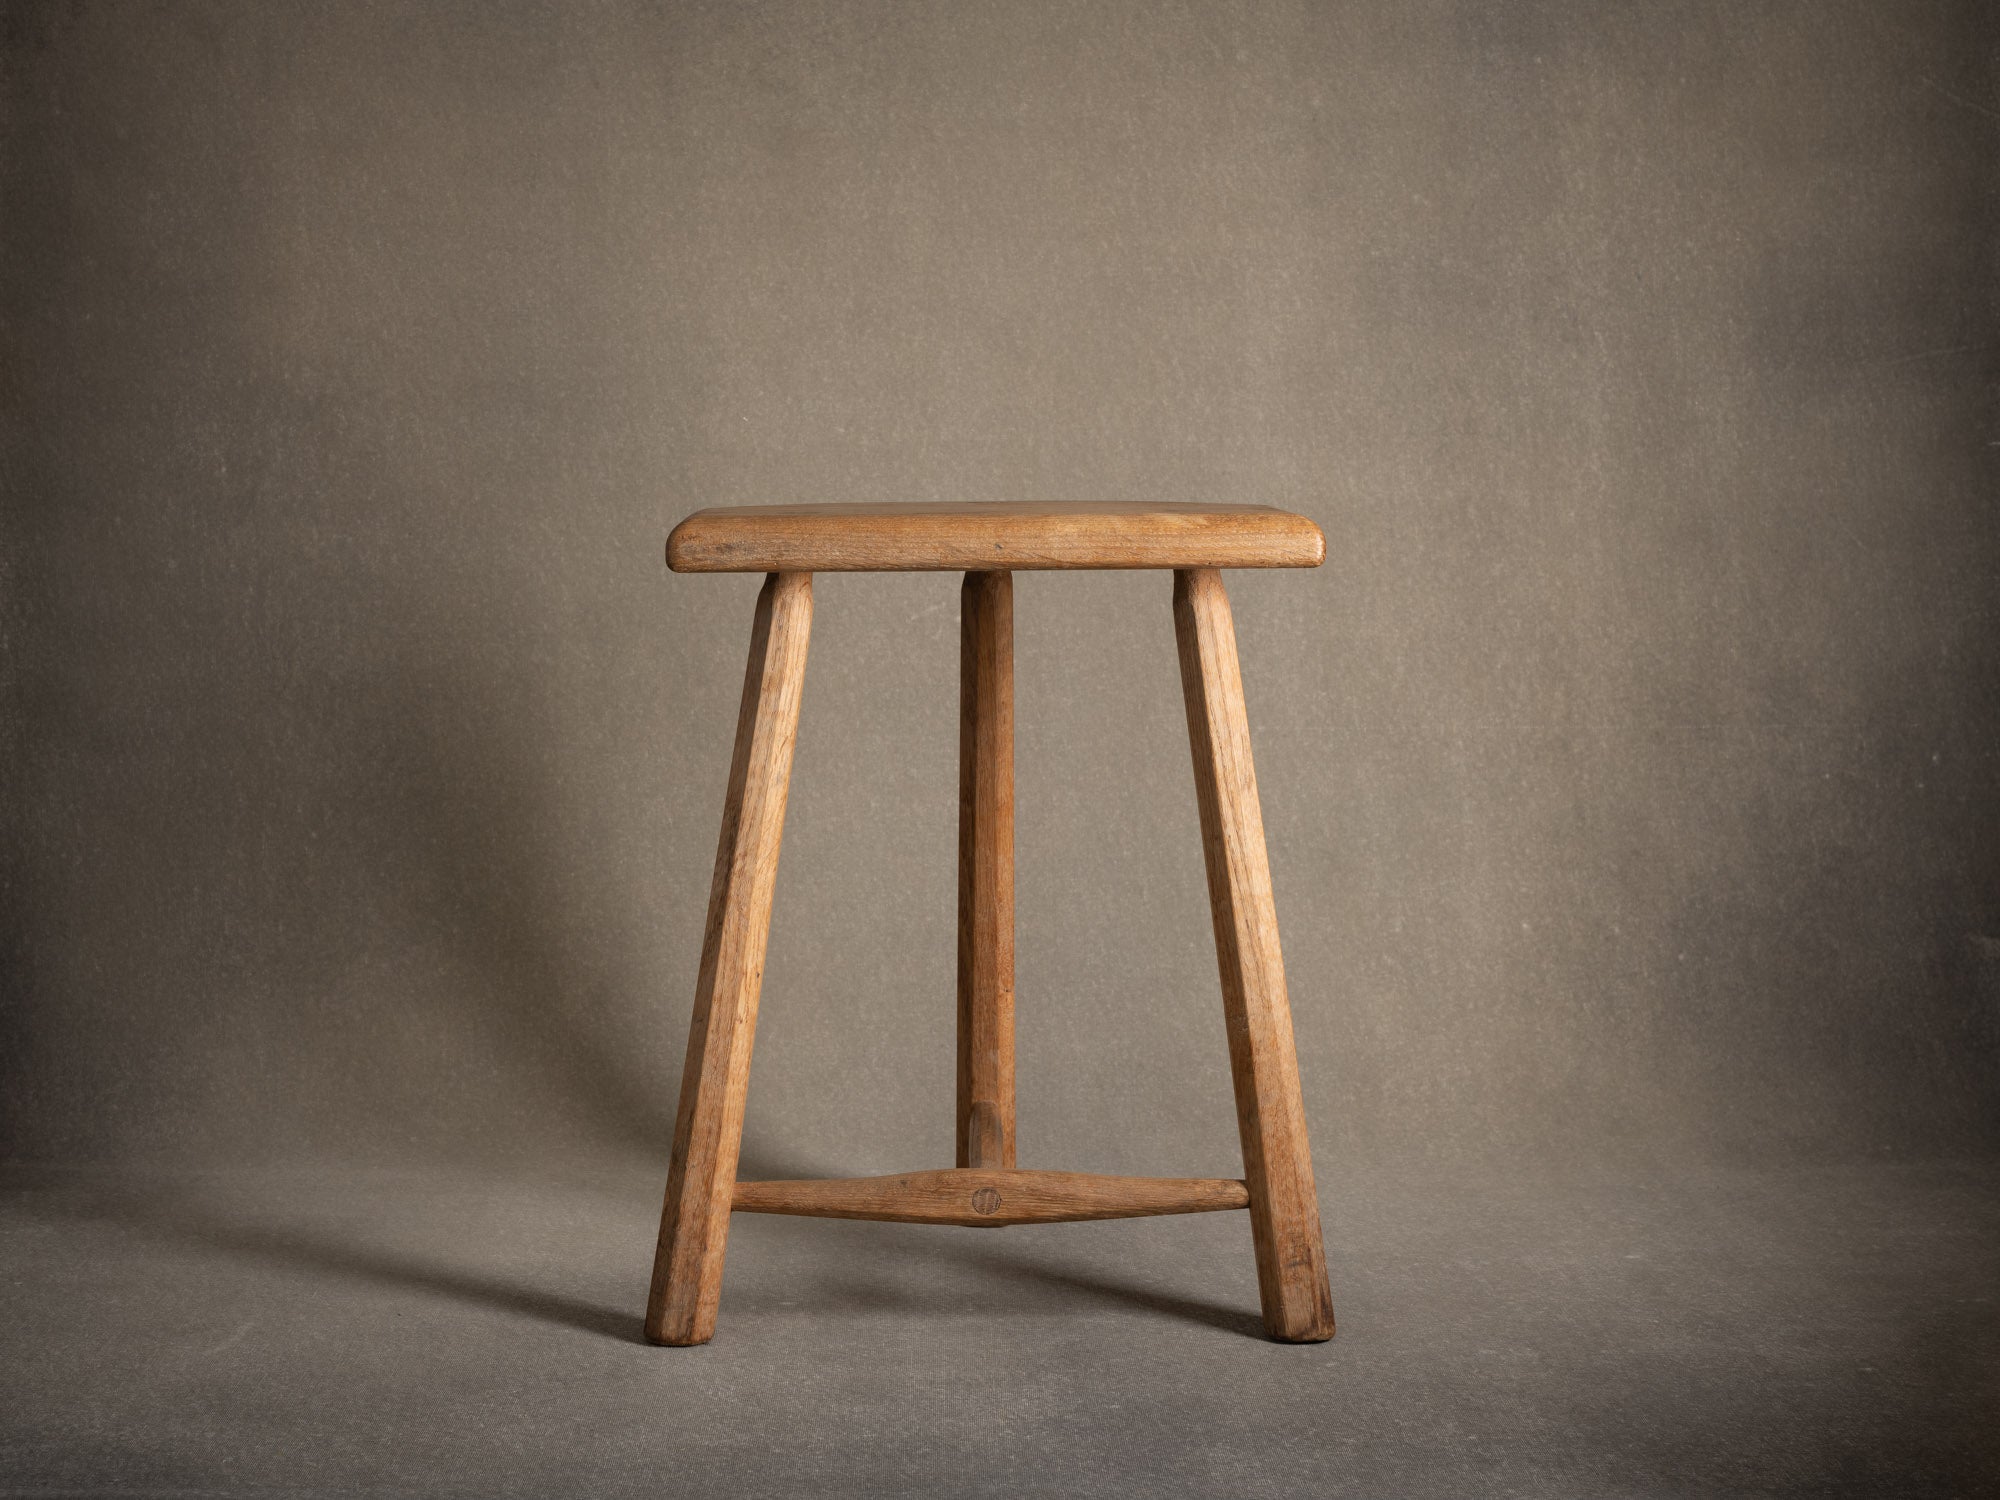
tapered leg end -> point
(678, 1338)
(1316, 1328)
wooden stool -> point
(987, 542)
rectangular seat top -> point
(975, 536)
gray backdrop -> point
(1629, 767)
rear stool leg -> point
(708, 1130)
(986, 871)
(1270, 1115)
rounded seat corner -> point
(684, 542)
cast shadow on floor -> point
(1016, 1276)
(176, 1217)
(183, 1221)
(1079, 1289)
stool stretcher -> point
(982, 1198)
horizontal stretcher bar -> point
(988, 1198)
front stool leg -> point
(1270, 1115)
(708, 1129)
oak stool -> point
(987, 542)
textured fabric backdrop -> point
(1629, 768)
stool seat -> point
(974, 536)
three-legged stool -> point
(987, 542)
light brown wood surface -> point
(986, 871)
(971, 536)
(1277, 1163)
(985, 1198)
(708, 1130)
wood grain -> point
(982, 1198)
(708, 1130)
(969, 537)
(1270, 1113)
(986, 871)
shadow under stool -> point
(988, 542)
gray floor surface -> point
(1811, 1330)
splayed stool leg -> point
(708, 1128)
